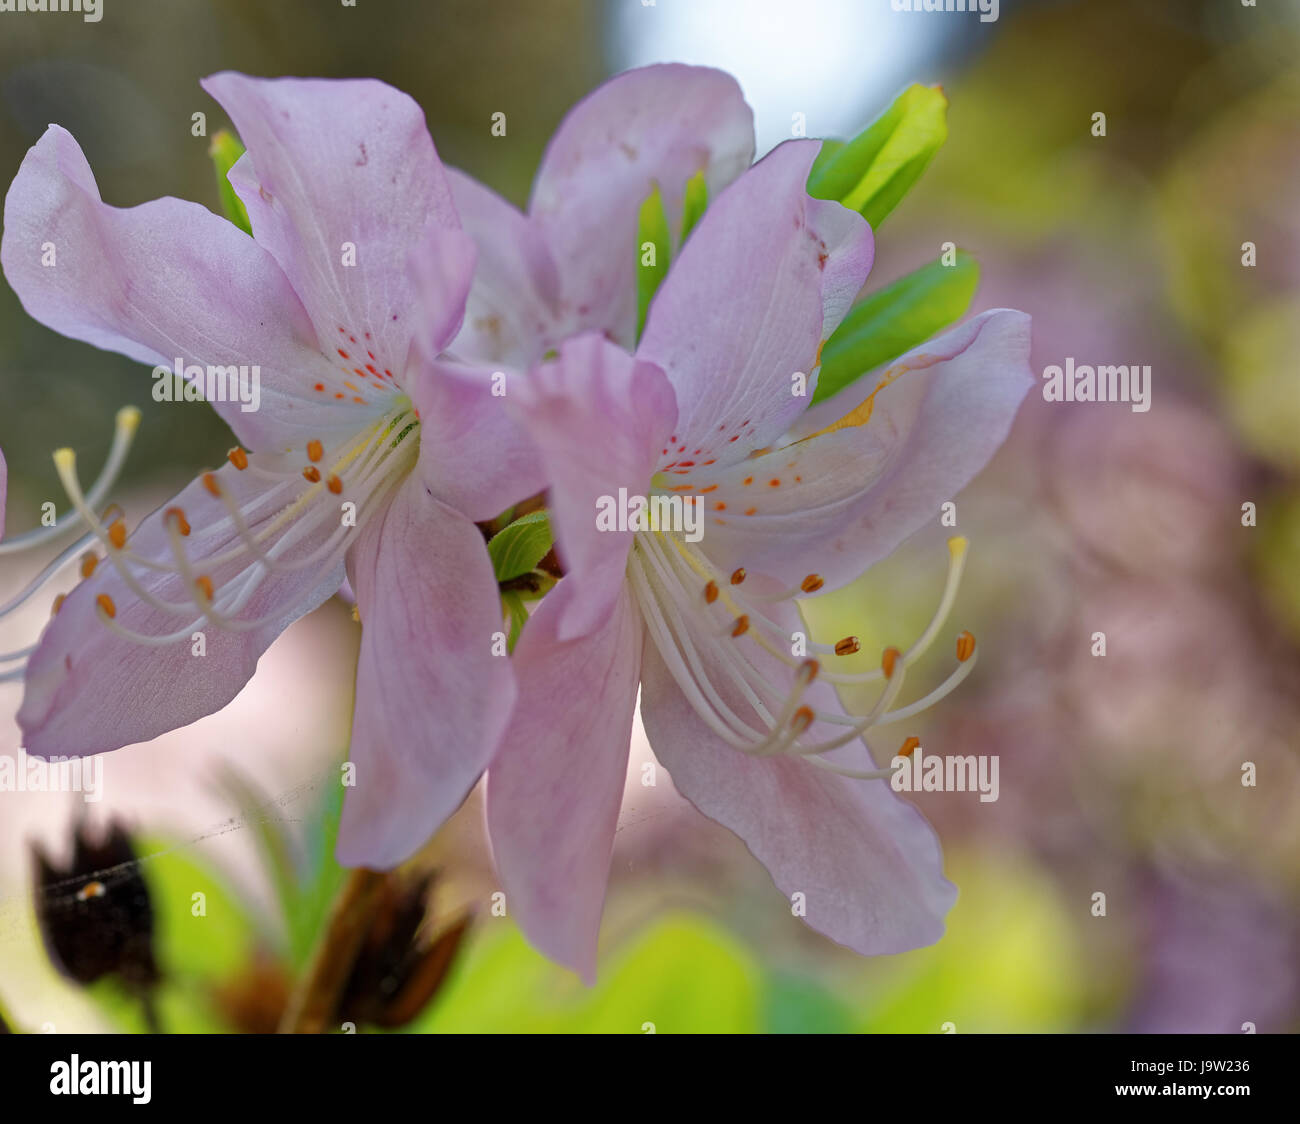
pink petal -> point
(164, 280)
(867, 863)
(656, 125)
(332, 163)
(432, 698)
(599, 419)
(845, 499)
(510, 319)
(88, 690)
(555, 789)
(441, 268)
(474, 456)
(747, 305)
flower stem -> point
(315, 999)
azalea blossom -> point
(799, 502)
(368, 454)
(569, 264)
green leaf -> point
(651, 242)
(684, 974)
(518, 617)
(695, 200)
(520, 546)
(323, 877)
(871, 173)
(225, 149)
(896, 319)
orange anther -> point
(889, 661)
(741, 627)
(58, 603)
(212, 484)
(238, 458)
(711, 592)
(802, 719)
(175, 513)
(312, 473)
(315, 450)
(91, 890)
(808, 670)
(738, 575)
(812, 583)
(965, 646)
(106, 605)
(847, 646)
(908, 746)
(88, 564)
(204, 584)
(117, 534)
(334, 484)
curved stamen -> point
(38, 583)
(664, 571)
(372, 463)
(125, 424)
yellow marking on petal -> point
(861, 413)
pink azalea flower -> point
(355, 280)
(797, 502)
(569, 265)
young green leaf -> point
(518, 617)
(225, 149)
(871, 173)
(653, 250)
(519, 547)
(896, 319)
